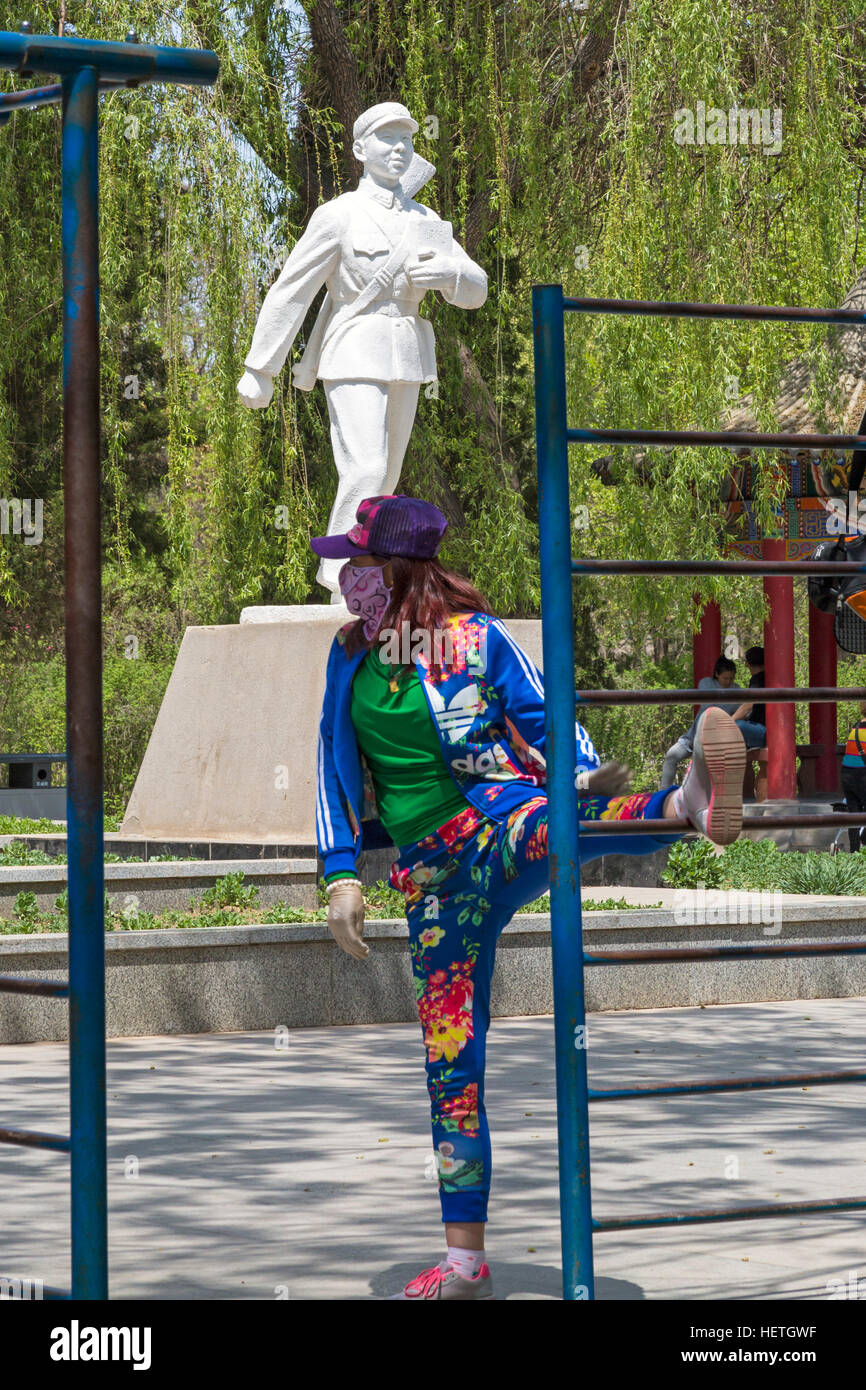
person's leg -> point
(675, 754)
(522, 870)
(854, 788)
(358, 412)
(453, 928)
(755, 735)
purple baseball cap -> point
(391, 524)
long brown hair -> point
(425, 595)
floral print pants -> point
(462, 884)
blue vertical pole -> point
(84, 806)
(554, 531)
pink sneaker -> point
(441, 1281)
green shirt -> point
(414, 789)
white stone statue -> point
(379, 252)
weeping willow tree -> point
(769, 221)
(556, 134)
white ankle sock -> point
(466, 1262)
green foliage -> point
(26, 911)
(614, 905)
(752, 865)
(22, 854)
(21, 825)
(693, 864)
(282, 912)
(541, 904)
(759, 866)
(381, 900)
(822, 873)
(226, 892)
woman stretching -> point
(433, 725)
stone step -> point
(155, 887)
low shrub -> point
(693, 864)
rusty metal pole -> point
(84, 797)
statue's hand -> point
(256, 389)
(436, 273)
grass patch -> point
(25, 825)
(760, 866)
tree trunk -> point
(340, 70)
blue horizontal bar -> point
(33, 1139)
(28, 100)
(775, 694)
(730, 439)
(796, 568)
(747, 1083)
(640, 957)
(677, 825)
(131, 62)
(690, 1218)
(33, 757)
(685, 309)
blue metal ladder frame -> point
(86, 68)
(553, 436)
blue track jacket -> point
(488, 711)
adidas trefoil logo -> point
(457, 716)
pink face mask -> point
(366, 594)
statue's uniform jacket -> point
(488, 713)
(347, 240)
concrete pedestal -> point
(232, 755)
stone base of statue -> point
(232, 755)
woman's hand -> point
(346, 918)
(611, 779)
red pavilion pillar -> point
(706, 642)
(779, 670)
(823, 718)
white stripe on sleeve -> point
(528, 666)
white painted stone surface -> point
(294, 613)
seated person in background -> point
(854, 776)
(751, 720)
(721, 679)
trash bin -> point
(30, 793)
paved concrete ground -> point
(304, 1170)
